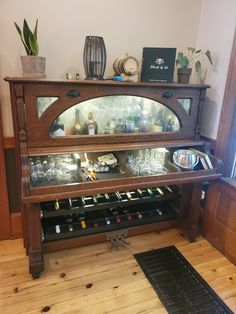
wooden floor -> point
(96, 279)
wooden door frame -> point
(227, 113)
(5, 230)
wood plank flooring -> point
(96, 279)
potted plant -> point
(32, 64)
(186, 61)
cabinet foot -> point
(36, 275)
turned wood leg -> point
(190, 207)
(36, 264)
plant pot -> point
(33, 66)
(184, 75)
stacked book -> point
(204, 159)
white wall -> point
(127, 26)
(216, 31)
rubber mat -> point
(178, 285)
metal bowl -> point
(185, 158)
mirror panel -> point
(115, 115)
(185, 103)
(43, 103)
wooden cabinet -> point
(96, 160)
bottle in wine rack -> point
(107, 220)
(140, 216)
(70, 227)
(128, 194)
(107, 197)
(140, 192)
(159, 212)
(150, 192)
(57, 228)
(56, 205)
(159, 190)
(127, 214)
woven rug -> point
(178, 285)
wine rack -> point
(91, 214)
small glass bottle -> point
(120, 127)
(77, 127)
(91, 126)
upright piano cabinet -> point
(103, 160)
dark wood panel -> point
(4, 208)
(219, 220)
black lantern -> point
(94, 58)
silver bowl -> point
(185, 158)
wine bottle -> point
(70, 227)
(159, 190)
(159, 211)
(83, 224)
(140, 192)
(57, 205)
(77, 127)
(140, 216)
(107, 197)
(57, 229)
(108, 222)
(128, 194)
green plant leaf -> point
(33, 44)
(198, 66)
(21, 37)
(208, 54)
(36, 30)
(182, 60)
(26, 32)
(192, 50)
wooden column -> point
(190, 208)
(5, 231)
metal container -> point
(185, 158)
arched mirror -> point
(112, 115)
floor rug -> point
(178, 285)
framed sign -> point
(158, 64)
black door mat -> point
(178, 285)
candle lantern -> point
(94, 58)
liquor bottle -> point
(120, 127)
(159, 123)
(77, 127)
(91, 125)
(169, 125)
